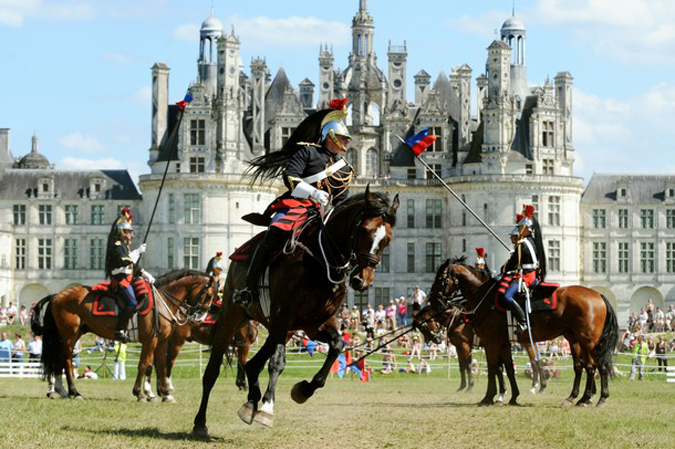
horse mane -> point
(176, 274)
(379, 205)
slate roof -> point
(521, 142)
(642, 189)
(68, 184)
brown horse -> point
(202, 332)
(306, 289)
(63, 318)
(583, 316)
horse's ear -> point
(394, 205)
(369, 197)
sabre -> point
(443, 183)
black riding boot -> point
(261, 257)
(122, 324)
(519, 315)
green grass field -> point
(405, 410)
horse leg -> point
(492, 355)
(147, 385)
(67, 360)
(537, 377)
(223, 333)
(242, 357)
(253, 368)
(462, 369)
(265, 416)
(511, 373)
(578, 370)
(590, 381)
(502, 385)
(604, 385)
(329, 334)
(161, 355)
(146, 359)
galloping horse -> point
(64, 317)
(202, 332)
(583, 316)
(305, 291)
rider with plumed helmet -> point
(315, 173)
(215, 268)
(527, 262)
(120, 267)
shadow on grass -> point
(149, 432)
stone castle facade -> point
(515, 147)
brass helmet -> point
(332, 124)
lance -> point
(466, 206)
(170, 142)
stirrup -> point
(244, 297)
(121, 336)
(520, 328)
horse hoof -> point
(78, 397)
(169, 399)
(299, 392)
(142, 399)
(485, 403)
(567, 403)
(533, 390)
(153, 399)
(601, 403)
(242, 388)
(264, 419)
(246, 413)
(53, 395)
(200, 432)
(514, 402)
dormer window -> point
(96, 186)
(45, 187)
(623, 192)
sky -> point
(77, 72)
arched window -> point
(352, 158)
(372, 163)
(358, 45)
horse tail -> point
(43, 323)
(604, 349)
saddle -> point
(106, 303)
(542, 298)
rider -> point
(314, 172)
(215, 268)
(120, 265)
(480, 259)
(527, 261)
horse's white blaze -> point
(268, 407)
(380, 233)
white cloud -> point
(75, 163)
(118, 58)
(81, 142)
(628, 31)
(264, 32)
(143, 95)
(479, 25)
(15, 12)
(188, 32)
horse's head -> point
(372, 234)
(194, 290)
(428, 322)
(451, 278)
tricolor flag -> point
(184, 102)
(420, 141)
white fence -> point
(19, 369)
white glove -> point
(147, 276)
(321, 197)
(135, 254)
(141, 249)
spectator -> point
(3, 316)
(418, 299)
(642, 318)
(343, 317)
(391, 315)
(670, 318)
(354, 319)
(632, 320)
(402, 311)
(640, 352)
(389, 360)
(368, 319)
(380, 317)
(77, 349)
(18, 348)
(88, 373)
(11, 314)
(650, 306)
(119, 367)
(35, 349)
(661, 351)
(23, 315)
(6, 347)
(659, 318)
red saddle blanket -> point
(244, 251)
(106, 305)
(543, 298)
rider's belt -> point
(127, 269)
(326, 173)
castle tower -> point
(563, 88)
(363, 30)
(513, 33)
(228, 66)
(422, 83)
(482, 86)
(397, 54)
(209, 34)
(463, 77)
(259, 74)
(325, 76)
(498, 115)
(160, 100)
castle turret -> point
(259, 73)
(513, 33)
(210, 32)
(160, 101)
(422, 83)
(325, 76)
(397, 54)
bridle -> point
(192, 312)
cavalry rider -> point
(527, 262)
(120, 267)
(480, 259)
(315, 174)
(215, 268)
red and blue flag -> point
(420, 141)
(184, 102)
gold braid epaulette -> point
(309, 144)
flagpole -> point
(161, 185)
(443, 183)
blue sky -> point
(77, 72)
